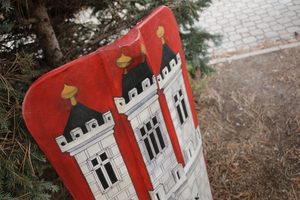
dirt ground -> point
(249, 113)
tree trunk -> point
(47, 37)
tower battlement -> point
(80, 138)
(169, 72)
(136, 98)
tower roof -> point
(167, 53)
(79, 115)
(167, 56)
(134, 78)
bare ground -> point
(249, 113)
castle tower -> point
(171, 82)
(89, 137)
(139, 102)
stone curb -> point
(255, 53)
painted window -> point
(157, 196)
(152, 138)
(189, 151)
(104, 171)
(178, 173)
(180, 106)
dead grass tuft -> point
(250, 120)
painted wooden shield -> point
(120, 123)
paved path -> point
(248, 25)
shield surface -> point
(120, 123)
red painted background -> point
(98, 80)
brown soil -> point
(249, 113)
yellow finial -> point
(69, 92)
(143, 52)
(124, 61)
(143, 49)
(161, 33)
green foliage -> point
(24, 172)
(6, 5)
(195, 40)
(195, 45)
(22, 164)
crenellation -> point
(165, 72)
(135, 97)
(61, 141)
(146, 83)
(172, 64)
(78, 137)
(108, 117)
(76, 133)
(168, 73)
(178, 59)
(132, 93)
(90, 125)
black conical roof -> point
(79, 115)
(134, 78)
(167, 56)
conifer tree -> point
(39, 35)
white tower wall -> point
(159, 168)
(90, 146)
(123, 189)
(185, 132)
(196, 183)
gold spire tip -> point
(123, 61)
(143, 49)
(161, 33)
(69, 92)
(143, 52)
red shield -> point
(88, 88)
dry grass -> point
(250, 119)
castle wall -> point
(197, 184)
(197, 180)
(185, 132)
(123, 189)
(159, 168)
